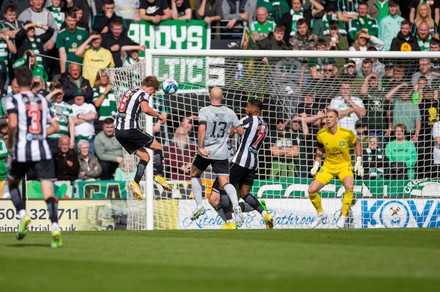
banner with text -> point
(190, 72)
(172, 34)
(299, 213)
(73, 215)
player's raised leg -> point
(159, 178)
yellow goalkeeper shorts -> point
(325, 175)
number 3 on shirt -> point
(35, 121)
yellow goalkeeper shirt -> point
(337, 147)
(95, 60)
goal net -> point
(389, 100)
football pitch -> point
(241, 260)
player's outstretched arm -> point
(151, 112)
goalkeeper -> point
(335, 142)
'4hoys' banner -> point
(192, 73)
(172, 34)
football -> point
(170, 86)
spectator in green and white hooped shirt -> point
(103, 99)
(63, 114)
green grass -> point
(242, 260)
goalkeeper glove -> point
(315, 168)
(358, 168)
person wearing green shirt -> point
(261, 28)
(68, 40)
(378, 9)
(275, 8)
(401, 152)
(363, 22)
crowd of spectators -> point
(66, 43)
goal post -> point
(399, 190)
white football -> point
(170, 86)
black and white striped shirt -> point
(255, 131)
(33, 116)
(129, 109)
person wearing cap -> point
(389, 26)
(350, 73)
(84, 119)
(389, 67)
(363, 22)
(404, 41)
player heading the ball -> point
(129, 133)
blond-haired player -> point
(334, 142)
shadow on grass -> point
(21, 245)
